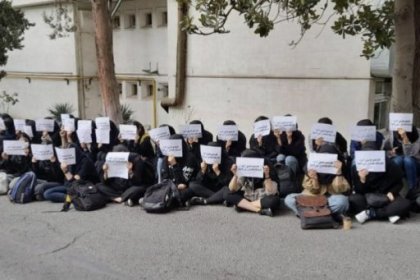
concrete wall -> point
(41, 55)
(240, 76)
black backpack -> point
(287, 180)
(23, 190)
(85, 196)
(314, 212)
(161, 197)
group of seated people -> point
(366, 195)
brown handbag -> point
(314, 212)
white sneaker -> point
(362, 216)
(393, 219)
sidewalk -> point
(210, 242)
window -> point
(146, 90)
(120, 88)
(383, 90)
(132, 89)
(130, 21)
(146, 18)
(116, 22)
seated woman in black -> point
(233, 148)
(264, 145)
(140, 177)
(180, 170)
(377, 194)
(83, 170)
(210, 184)
(16, 165)
(142, 145)
(254, 194)
(194, 143)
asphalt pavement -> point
(206, 242)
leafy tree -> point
(380, 24)
(12, 26)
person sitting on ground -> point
(334, 186)
(264, 145)
(291, 150)
(181, 170)
(376, 194)
(210, 184)
(233, 148)
(404, 149)
(259, 195)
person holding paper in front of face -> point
(264, 145)
(142, 144)
(194, 143)
(259, 195)
(357, 145)
(180, 170)
(83, 169)
(334, 186)
(16, 165)
(210, 184)
(159, 156)
(340, 141)
(376, 194)
(233, 148)
(291, 150)
(404, 149)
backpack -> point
(84, 196)
(161, 197)
(23, 189)
(314, 212)
(287, 180)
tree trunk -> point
(104, 53)
(416, 67)
(402, 78)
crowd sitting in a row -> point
(348, 190)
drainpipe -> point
(181, 63)
(79, 62)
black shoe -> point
(227, 204)
(185, 206)
(196, 200)
(266, 212)
(238, 209)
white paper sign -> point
(2, 125)
(326, 131)
(19, 124)
(102, 136)
(262, 128)
(250, 167)
(363, 133)
(210, 154)
(84, 135)
(171, 147)
(401, 120)
(228, 132)
(128, 131)
(191, 130)
(372, 161)
(159, 133)
(64, 117)
(67, 156)
(117, 165)
(42, 152)
(14, 147)
(44, 125)
(322, 163)
(103, 123)
(28, 130)
(84, 125)
(284, 123)
(69, 125)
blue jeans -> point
(289, 161)
(56, 194)
(411, 167)
(338, 203)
